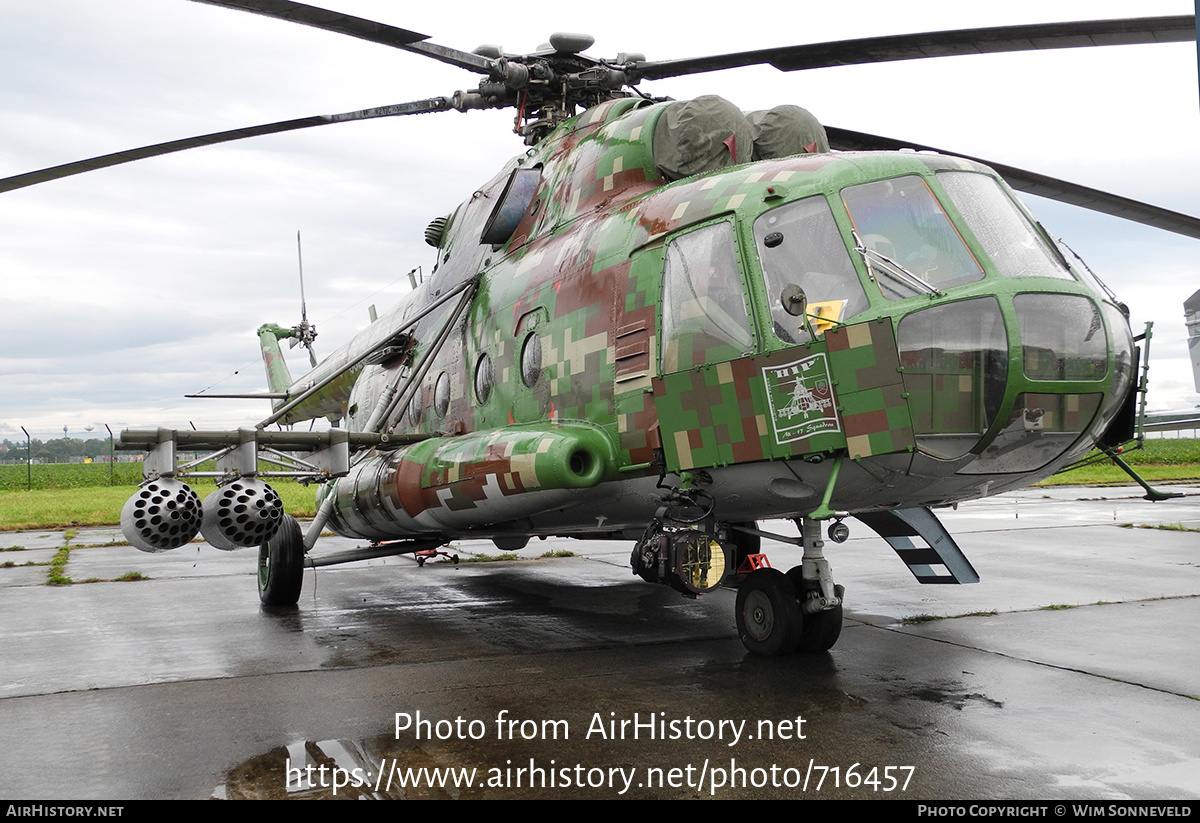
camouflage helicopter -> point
(669, 320)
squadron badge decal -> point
(801, 399)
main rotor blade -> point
(32, 178)
(938, 44)
(357, 27)
(1039, 184)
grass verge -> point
(101, 505)
(1165, 527)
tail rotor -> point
(304, 333)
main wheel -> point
(821, 629)
(281, 565)
(768, 614)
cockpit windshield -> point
(901, 220)
(1006, 234)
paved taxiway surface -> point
(181, 686)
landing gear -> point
(281, 565)
(801, 611)
(821, 628)
(768, 613)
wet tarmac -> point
(1071, 671)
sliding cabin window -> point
(799, 244)
(704, 314)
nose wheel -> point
(798, 612)
(768, 613)
(770, 619)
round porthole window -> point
(414, 410)
(441, 395)
(483, 378)
(531, 359)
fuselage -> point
(630, 328)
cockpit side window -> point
(704, 315)
(799, 244)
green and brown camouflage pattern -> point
(472, 481)
(583, 271)
(788, 404)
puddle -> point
(377, 769)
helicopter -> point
(617, 342)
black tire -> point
(768, 614)
(281, 565)
(821, 629)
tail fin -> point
(279, 378)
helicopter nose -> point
(1075, 372)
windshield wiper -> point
(893, 269)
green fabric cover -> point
(784, 131)
(693, 137)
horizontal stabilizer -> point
(939, 561)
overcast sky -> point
(126, 288)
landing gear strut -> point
(801, 611)
(821, 629)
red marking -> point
(811, 148)
(510, 417)
(557, 283)
(429, 554)
(731, 144)
(753, 562)
(770, 189)
(551, 414)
